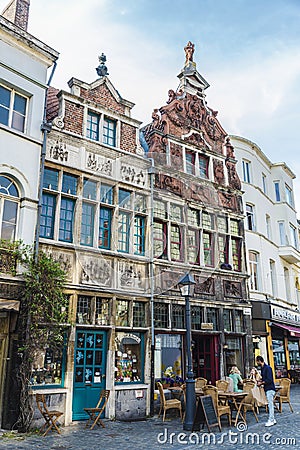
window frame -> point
(11, 108)
(246, 166)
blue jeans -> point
(270, 398)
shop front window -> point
(129, 357)
(168, 359)
(279, 358)
(47, 367)
(233, 353)
(294, 354)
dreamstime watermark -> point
(238, 437)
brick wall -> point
(73, 118)
(103, 96)
(17, 12)
(128, 137)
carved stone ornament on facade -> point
(204, 285)
(233, 178)
(169, 183)
(218, 171)
(195, 138)
(65, 263)
(228, 200)
(189, 52)
(169, 280)
(229, 149)
(98, 163)
(58, 122)
(176, 155)
(133, 175)
(131, 276)
(232, 289)
(58, 151)
(96, 271)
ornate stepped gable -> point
(187, 119)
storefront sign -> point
(285, 315)
(207, 326)
(247, 311)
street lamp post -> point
(186, 285)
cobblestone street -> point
(154, 434)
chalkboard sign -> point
(205, 414)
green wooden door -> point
(89, 370)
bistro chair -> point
(222, 385)
(200, 382)
(283, 396)
(50, 417)
(173, 403)
(221, 410)
(249, 402)
(95, 413)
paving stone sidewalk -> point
(154, 434)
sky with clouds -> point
(249, 52)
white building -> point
(24, 63)
(273, 255)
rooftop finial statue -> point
(102, 69)
(189, 52)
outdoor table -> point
(237, 399)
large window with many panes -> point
(102, 205)
(58, 205)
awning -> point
(294, 331)
(9, 305)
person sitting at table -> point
(254, 375)
(258, 391)
(235, 375)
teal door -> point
(89, 370)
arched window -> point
(9, 200)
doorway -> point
(206, 357)
(89, 370)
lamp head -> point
(186, 285)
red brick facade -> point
(73, 117)
(128, 137)
(102, 95)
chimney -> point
(17, 11)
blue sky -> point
(249, 52)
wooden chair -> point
(221, 410)
(222, 385)
(173, 403)
(50, 417)
(283, 396)
(200, 382)
(95, 413)
(249, 403)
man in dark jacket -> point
(268, 383)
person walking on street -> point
(268, 383)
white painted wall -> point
(265, 204)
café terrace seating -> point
(283, 395)
(220, 408)
(167, 404)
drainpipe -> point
(151, 172)
(45, 128)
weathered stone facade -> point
(195, 175)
